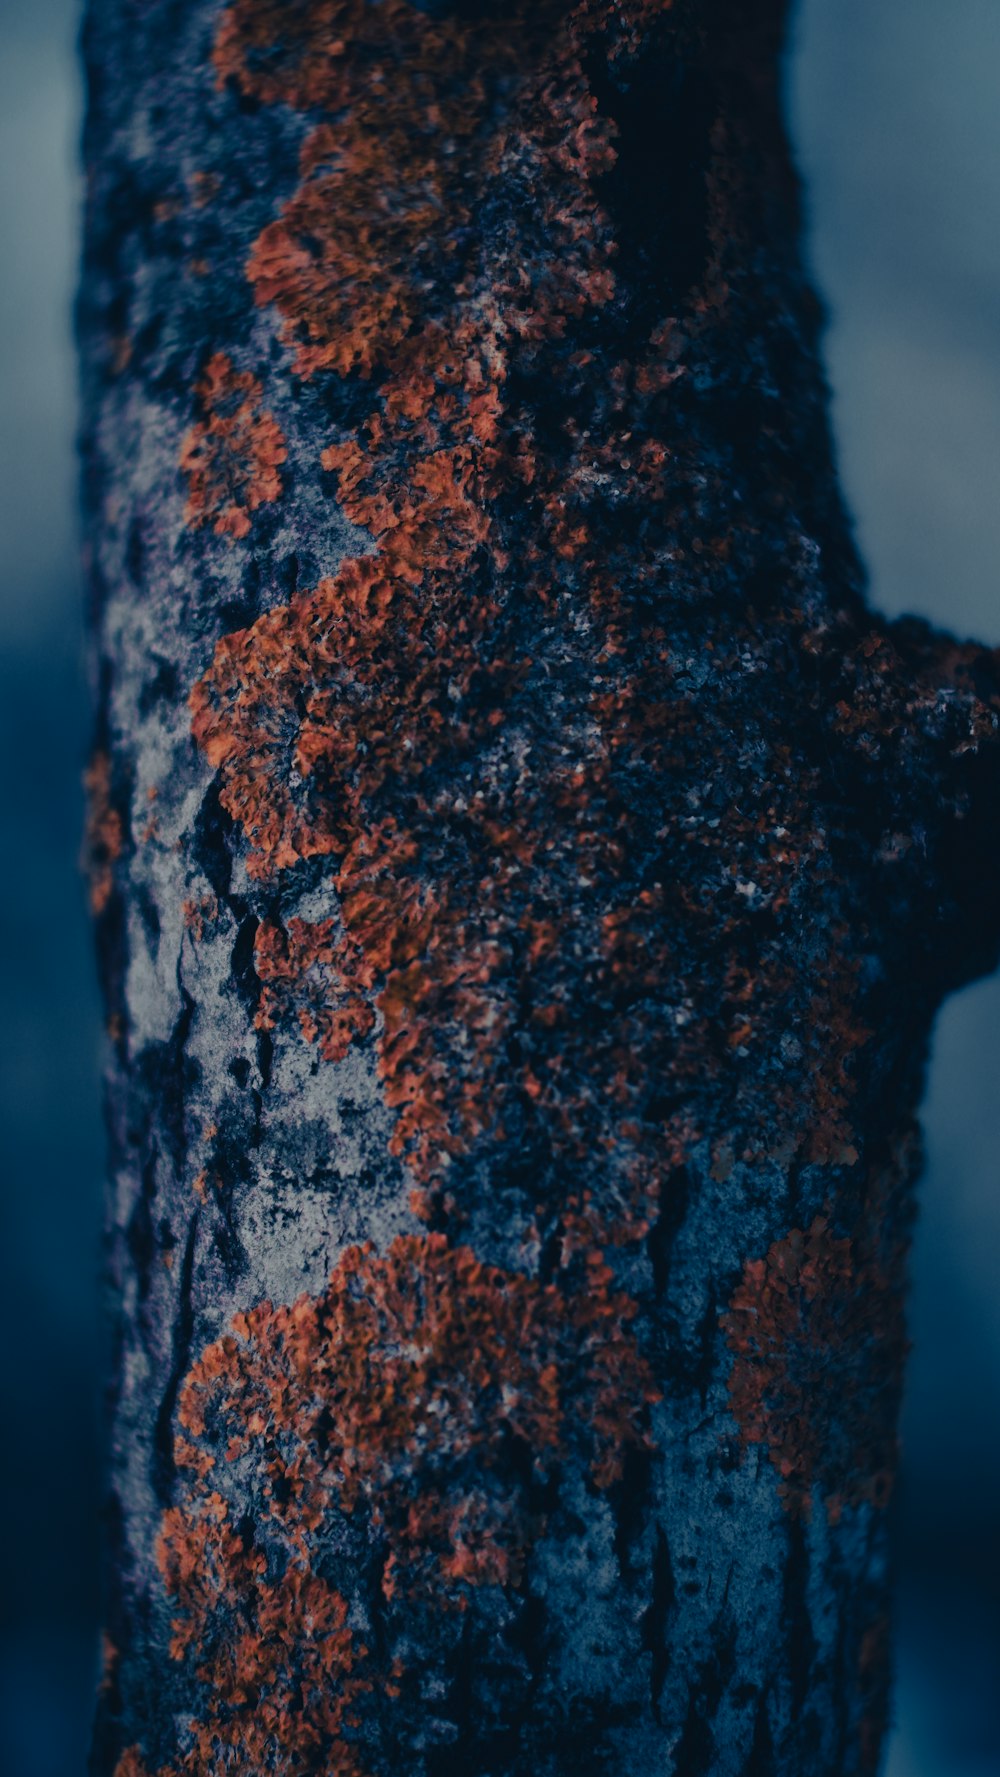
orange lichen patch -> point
(281, 1666)
(421, 1367)
(204, 187)
(835, 1034)
(425, 1398)
(295, 51)
(231, 457)
(439, 1114)
(287, 51)
(297, 965)
(110, 1657)
(121, 353)
(523, 935)
(815, 1096)
(400, 84)
(199, 913)
(896, 681)
(319, 712)
(131, 1764)
(167, 208)
(102, 845)
(816, 1332)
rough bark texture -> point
(525, 876)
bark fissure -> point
(183, 1330)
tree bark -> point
(525, 877)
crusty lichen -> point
(231, 456)
(814, 1360)
(103, 837)
(359, 721)
(427, 1398)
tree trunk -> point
(525, 878)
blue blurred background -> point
(895, 106)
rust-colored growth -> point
(817, 1095)
(835, 1033)
(816, 1332)
(277, 1655)
(102, 845)
(281, 1666)
(421, 1397)
(232, 456)
(204, 187)
(198, 913)
(370, 245)
(318, 712)
(897, 683)
(297, 965)
(110, 1656)
(421, 1366)
(131, 1764)
(370, 718)
(286, 51)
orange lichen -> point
(899, 684)
(204, 187)
(110, 1657)
(232, 456)
(328, 716)
(121, 353)
(131, 1764)
(198, 913)
(281, 1667)
(816, 1332)
(364, 652)
(835, 1033)
(296, 52)
(102, 846)
(816, 1096)
(358, 720)
(426, 1396)
(286, 51)
(297, 966)
(422, 1365)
